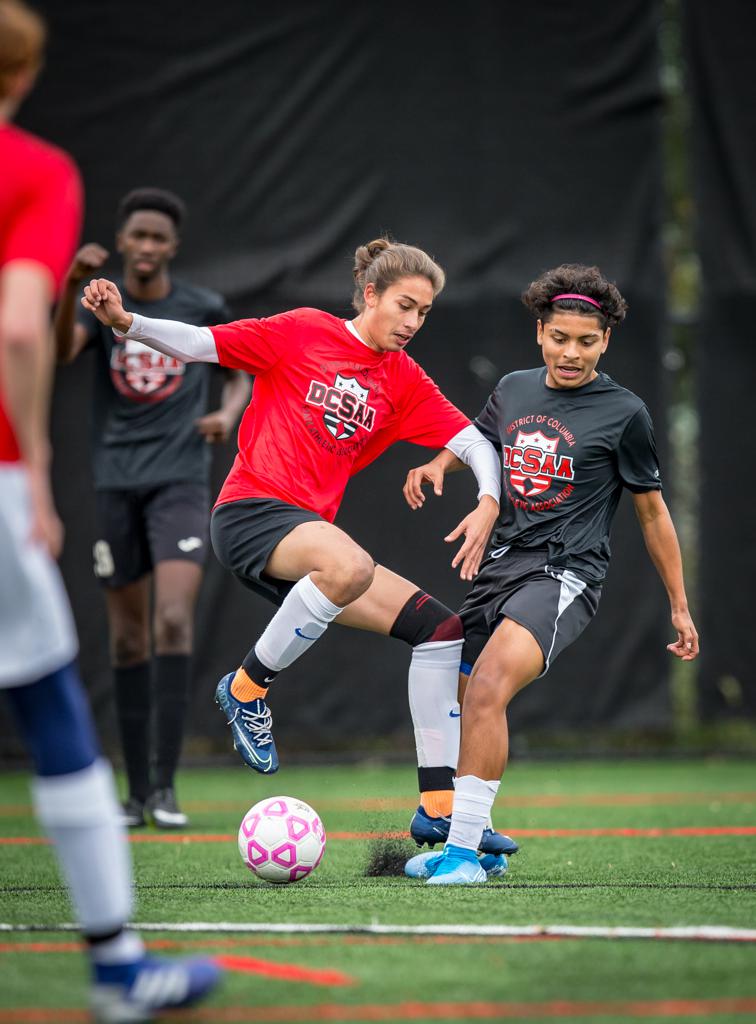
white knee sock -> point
(301, 620)
(432, 684)
(80, 813)
(473, 800)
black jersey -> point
(566, 456)
(145, 403)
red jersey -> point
(324, 406)
(40, 218)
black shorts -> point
(244, 534)
(551, 602)
(140, 527)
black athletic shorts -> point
(551, 602)
(244, 534)
(140, 527)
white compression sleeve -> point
(171, 337)
(475, 451)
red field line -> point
(550, 1010)
(504, 802)
(522, 833)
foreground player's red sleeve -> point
(425, 417)
(256, 345)
(47, 215)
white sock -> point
(432, 685)
(473, 800)
(301, 620)
(124, 948)
(80, 813)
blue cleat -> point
(457, 866)
(425, 829)
(250, 723)
(124, 993)
(424, 864)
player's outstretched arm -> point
(181, 341)
(661, 541)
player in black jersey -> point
(571, 440)
(151, 474)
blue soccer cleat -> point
(457, 866)
(423, 865)
(124, 993)
(425, 829)
(250, 723)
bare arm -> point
(71, 337)
(25, 372)
(217, 426)
(663, 547)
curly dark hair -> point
(151, 199)
(575, 279)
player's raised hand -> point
(102, 298)
(431, 473)
(686, 646)
(87, 261)
(215, 427)
(476, 528)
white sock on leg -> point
(432, 685)
(473, 800)
(302, 619)
(80, 813)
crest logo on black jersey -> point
(344, 405)
(533, 463)
(142, 374)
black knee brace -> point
(423, 619)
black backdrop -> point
(720, 47)
(504, 140)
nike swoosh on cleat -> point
(455, 714)
(299, 632)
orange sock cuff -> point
(245, 689)
(437, 803)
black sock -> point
(257, 672)
(171, 684)
(132, 696)
(430, 779)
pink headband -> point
(573, 295)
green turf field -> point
(644, 844)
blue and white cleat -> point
(457, 866)
(250, 723)
(124, 993)
(424, 864)
(425, 829)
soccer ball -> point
(281, 839)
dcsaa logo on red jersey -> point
(344, 405)
(533, 463)
(142, 374)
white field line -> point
(701, 933)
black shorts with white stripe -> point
(550, 601)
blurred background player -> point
(74, 795)
(571, 440)
(151, 476)
(330, 396)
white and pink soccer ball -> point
(281, 839)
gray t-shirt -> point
(145, 403)
(566, 455)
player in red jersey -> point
(330, 395)
(74, 796)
